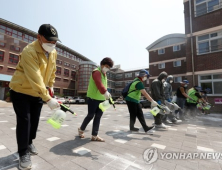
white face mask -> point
(105, 69)
(185, 85)
(144, 78)
(48, 47)
(163, 80)
(171, 81)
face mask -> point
(163, 80)
(48, 47)
(105, 69)
(144, 78)
(185, 85)
(171, 81)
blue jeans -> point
(93, 112)
(181, 103)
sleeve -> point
(32, 72)
(139, 86)
(156, 90)
(53, 75)
(96, 75)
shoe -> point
(81, 133)
(32, 149)
(176, 121)
(25, 162)
(150, 130)
(168, 121)
(134, 129)
(97, 138)
(162, 125)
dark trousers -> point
(136, 111)
(93, 112)
(27, 109)
(181, 103)
(158, 119)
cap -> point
(185, 82)
(49, 32)
(198, 88)
(143, 73)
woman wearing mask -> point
(97, 93)
(132, 100)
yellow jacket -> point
(34, 72)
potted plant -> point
(8, 97)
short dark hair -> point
(107, 61)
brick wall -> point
(202, 22)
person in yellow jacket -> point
(97, 92)
(34, 72)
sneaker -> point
(150, 130)
(32, 149)
(176, 121)
(162, 125)
(168, 121)
(25, 162)
(134, 129)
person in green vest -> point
(132, 101)
(97, 93)
(194, 94)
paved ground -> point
(63, 149)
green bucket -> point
(54, 124)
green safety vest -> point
(191, 93)
(135, 94)
(93, 92)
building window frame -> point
(177, 63)
(2, 54)
(13, 59)
(2, 44)
(161, 66)
(207, 6)
(177, 79)
(66, 72)
(211, 81)
(161, 51)
(128, 75)
(176, 48)
(58, 70)
(208, 41)
(14, 48)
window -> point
(67, 92)
(212, 83)
(65, 80)
(1, 67)
(56, 90)
(59, 62)
(73, 66)
(127, 75)
(13, 59)
(176, 48)
(161, 66)
(2, 44)
(66, 64)
(136, 73)
(1, 37)
(2, 56)
(119, 76)
(12, 47)
(177, 79)
(161, 51)
(209, 43)
(66, 72)
(118, 83)
(58, 70)
(177, 63)
(206, 6)
(73, 74)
